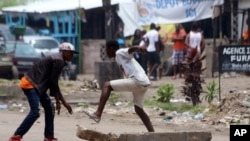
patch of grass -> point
(165, 93)
(2, 81)
(129, 104)
(179, 107)
(114, 97)
(61, 84)
(84, 105)
(69, 85)
(1, 92)
(212, 110)
(197, 109)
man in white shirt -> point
(153, 51)
(195, 40)
(136, 81)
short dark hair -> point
(158, 28)
(112, 44)
(152, 26)
(143, 32)
(195, 26)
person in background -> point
(144, 58)
(120, 39)
(245, 35)
(136, 81)
(44, 76)
(153, 51)
(178, 38)
(161, 51)
(195, 40)
(136, 42)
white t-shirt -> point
(153, 36)
(131, 67)
(195, 40)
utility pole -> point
(107, 69)
(108, 26)
(108, 19)
(248, 24)
(79, 39)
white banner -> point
(174, 11)
(144, 12)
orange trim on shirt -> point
(25, 83)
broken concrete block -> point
(91, 135)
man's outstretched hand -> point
(68, 107)
(58, 107)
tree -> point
(192, 70)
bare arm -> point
(59, 98)
(187, 41)
(142, 48)
(202, 45)
(132, 49)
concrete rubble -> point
(92, 135)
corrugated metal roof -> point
(46, 6)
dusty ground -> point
(120, 118)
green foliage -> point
(65, 84)
(2, 81)
(197, 109)
(69, 84)
(129, 104)
(1, 92)
(165, 93)
(212, 110)
(113, 98)
(84, 105)
(211, 93)
(178, 107)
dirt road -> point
(66, 126)
(116, 119)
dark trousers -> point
(34, 98)
(141, 58)
(154, 59)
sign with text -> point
(140, 13)
(174, 11)
(239, 132)
(234, 58)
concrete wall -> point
(90, 54)
(211, 63)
